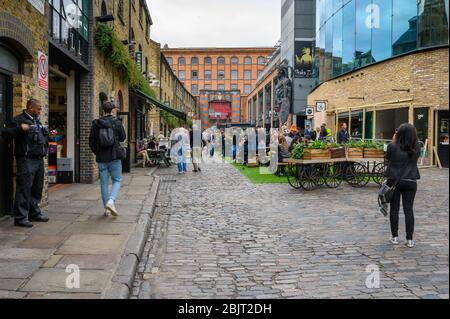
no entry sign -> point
(42, 71)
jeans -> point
(181, 161)
(407, 190)
(113, 169)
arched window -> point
(120, 8)
(9, 61)
(248, 60)
(120, 106)
(104, 9)
(146, 65)
(194, 61)
(208, 60)
(132, 35)
(261, 60)
(234, 60)
(221, 60)
(181, 61)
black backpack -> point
(106, 137)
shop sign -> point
(42, 71)
(303, 59)
(309, 111)
(321, 106)
(39, 5)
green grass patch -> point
(254, 175)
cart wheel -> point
(378, 173)
(357, 175)
(309, 177)
(321, 171)
(293, 175)
(333, 175)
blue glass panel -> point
(382, 30)
(404, 24)
(348, 36)
(433, 22)
(328, 48)
(337, 43)
(364, 22)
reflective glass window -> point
(337, 43)
(404, 24)
(328, 48)
(364, 22)
(348, 36)
(381, 30)
(432, 23)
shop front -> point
(442, 139)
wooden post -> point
(374, 124)
(437, 157)
(424, 152)
(264, 106)
(272, 102)
(411, 114)
(364, 125)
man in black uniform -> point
(30, 148)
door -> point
(443, 137)
(124, 117)
(5, 149)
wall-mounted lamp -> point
(357, 98)
(401, 90)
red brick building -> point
(221, 78)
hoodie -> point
(106, 155)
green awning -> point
(162, 106)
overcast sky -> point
(215, 23)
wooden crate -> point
(312, 154)
(373, 153)
(355, 152)
(337, 152)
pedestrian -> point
(283, 152)
(307, 133)
(315, 135)
(104, 140)
(30, 147)
(180, 148)
(196, 150)
(142, 150)
(342, 135)
(402, 173)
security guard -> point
(30, 148)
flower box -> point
(316, 154)
(337, 152)
(355, 152)
(373, 153)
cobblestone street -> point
(216, 235)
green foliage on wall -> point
(117, 54)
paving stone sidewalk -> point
(33, 261)
(216, 235)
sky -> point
(215, 23)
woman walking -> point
(401, 157)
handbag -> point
(386, 192)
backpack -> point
(106, 137)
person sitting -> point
(141, 149)
(152, 144)
(283, 152)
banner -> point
(303, 59)
(42, 71)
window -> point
(336, 68)
(261, 60)
(221, 87)
(208, 75)
(221, 75)
(103, 10)
(194, 89)
(120, 9)
(181, 61)
(234, 87)
(182, 75)
(221, 60)
(140, 12)
(194, 75)
(433, 23)
(247, 75)
(348, 51)
(208, 60)
(147, 30)
(234, 74)
(207, 86)
(248, 60)
(234, 60)
(169, 61)
(194, 61)
(404, 25)
(363, 54)
(119, 102)
(247, 89)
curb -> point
(123, 278)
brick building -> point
(23, 33)
(221, 78)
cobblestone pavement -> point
(216, 235)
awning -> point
(168, 109)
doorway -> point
(443, 137)
(6, 175)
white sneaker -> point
(106, 213)
(112, 208)
(394, 240)
(410, 243)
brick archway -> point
(13, 31)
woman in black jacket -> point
(401, 157)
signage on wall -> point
(138, 57)
(321, 106)
(309, 111)
(303, 59)
(42, 71)
(39, 5)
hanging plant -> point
(116, 53)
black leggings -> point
(407, 190)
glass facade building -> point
(351, 34)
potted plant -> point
(298, 152)
(355, 149)
(337, 150)
(317, 150)
(373, 150)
